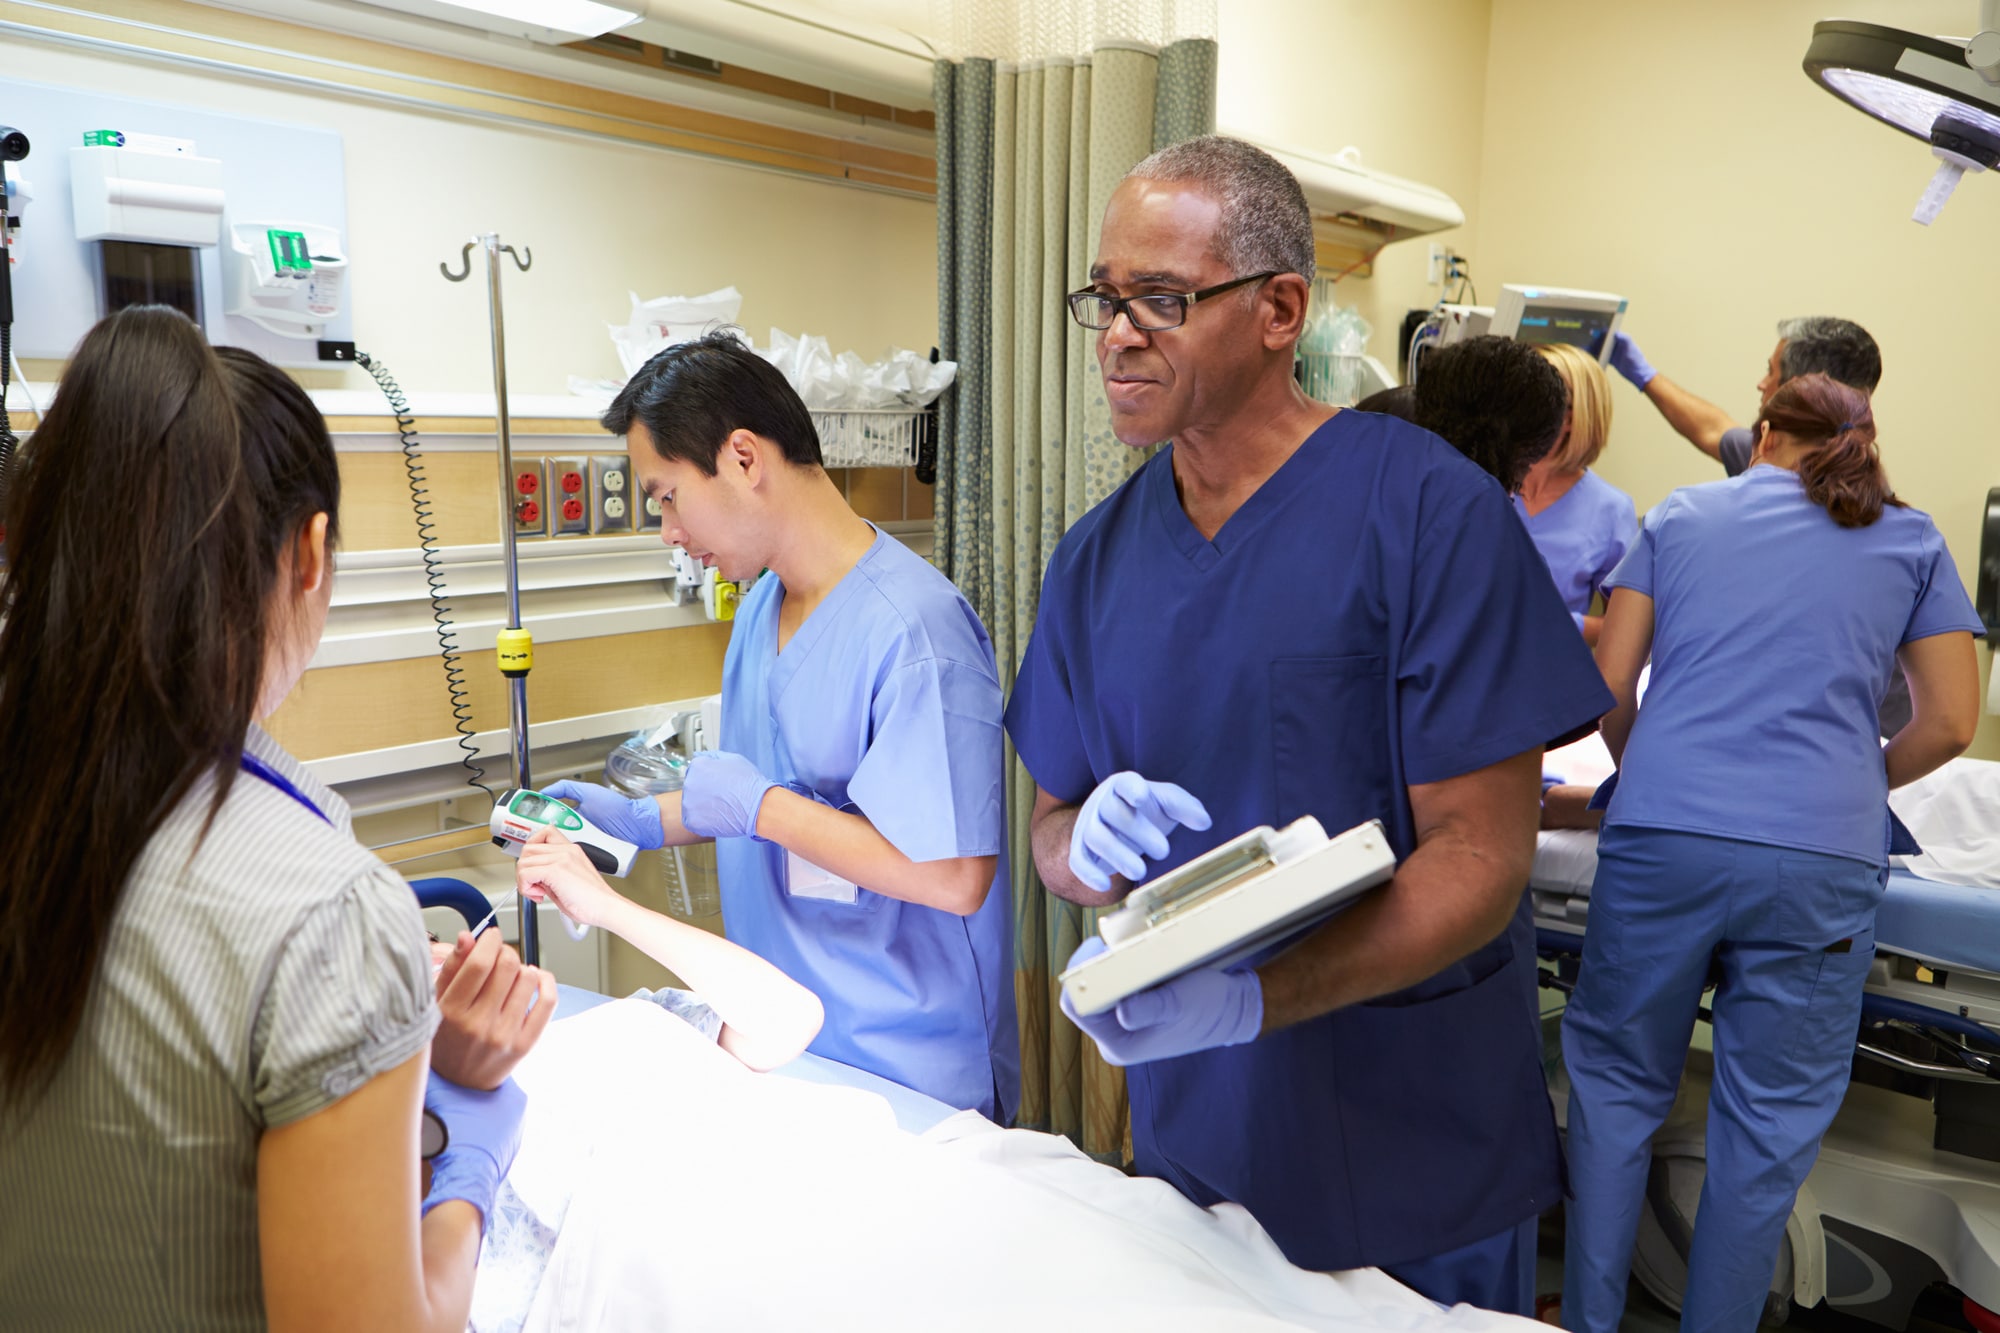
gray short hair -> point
(1839, 349)
(1265, 226)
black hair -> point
(692, 395)
(1398, 400)
(1839, 349)
(146, 533)
(1497, 401)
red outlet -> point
(572, 510)
(528, 513)
(527, 483)
(572, 482)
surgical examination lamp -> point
(1938, 89)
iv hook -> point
(464, 264)
(519, 262)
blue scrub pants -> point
(1497, 1273)
(1794, 934)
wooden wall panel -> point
(375, 705)
(375, 510)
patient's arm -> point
(1943, 672)
(767, 1018)
(1567, 806)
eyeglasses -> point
(1154, 312)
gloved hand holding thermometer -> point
(1125, 823)
(720, 798)
(635, 819)
(518, 815)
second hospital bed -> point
(1904, 1198)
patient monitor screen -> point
(1565, 324)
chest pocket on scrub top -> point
(1330, 739)
(803, 879)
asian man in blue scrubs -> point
(1291, 610)
(856, 800)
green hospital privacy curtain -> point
(1042, 107)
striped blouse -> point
(250, 978)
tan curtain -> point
(1041, 111)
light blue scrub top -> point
(1582, 537)
(885, 701)
(1775, 634)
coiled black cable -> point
(413, 467)
(8, 440)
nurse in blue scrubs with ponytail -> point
(1748, 832)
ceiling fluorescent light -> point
(549, 21)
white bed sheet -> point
(1954, 813)
(683, 1191)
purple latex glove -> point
(1124, 823)
(483, 1131)
(635, 819)
(1196, 1011)
(721, 795)
(1629, 361)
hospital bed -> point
(1905, 1194)
(661, 1184)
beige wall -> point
(1402, 80)
(1680, 157)
(602, 218)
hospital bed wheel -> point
(1666, 1230)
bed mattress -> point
(1950, 925)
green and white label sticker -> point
(288, 251)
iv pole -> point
(515, 649)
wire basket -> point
(1331, 379)
(874, 438)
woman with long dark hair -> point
(1748, 832)
(215, 1006)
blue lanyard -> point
(257, 768)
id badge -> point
(803, 879)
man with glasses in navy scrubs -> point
(1292, 610)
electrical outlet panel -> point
(610, 493)
(569, 496)
(646, 513)
(530, 497)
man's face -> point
(1773, 376)
(1157, 238)
(704, 514)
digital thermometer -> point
(519, 814)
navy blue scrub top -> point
(1373, 616)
